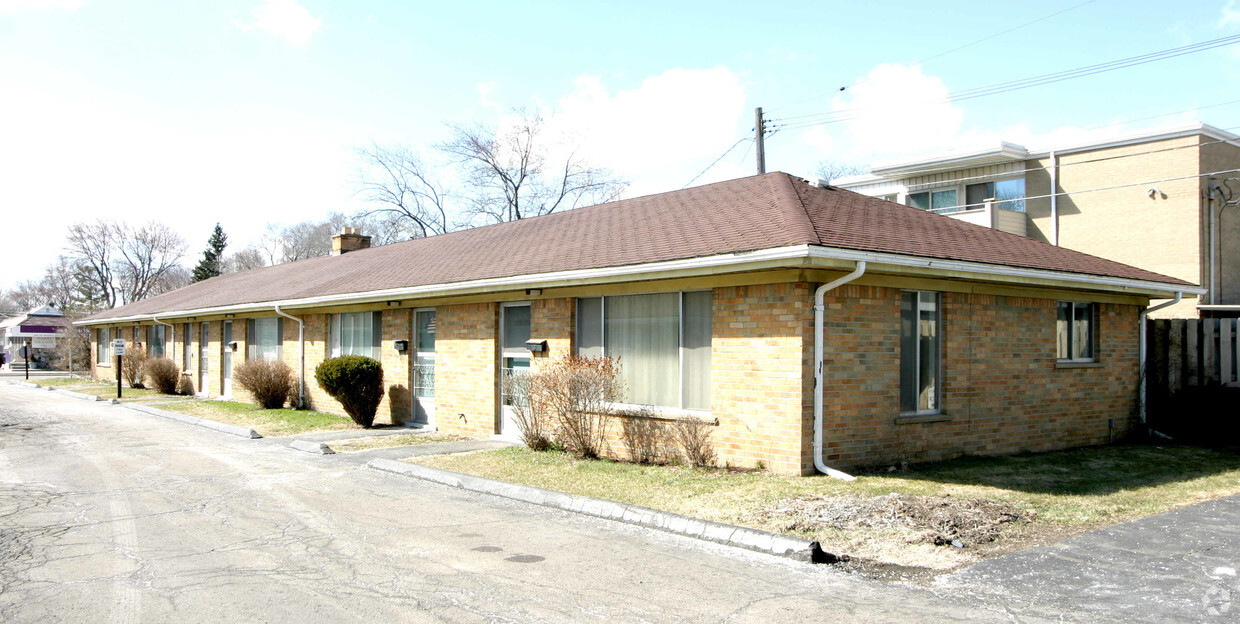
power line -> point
(848, 114)
(721, 157)
(998, 34)
(1195, 108)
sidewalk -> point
(1177, 566)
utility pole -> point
(759, 126)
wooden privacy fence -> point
(1191, 353)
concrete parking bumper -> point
(742, 537)
(201, 422)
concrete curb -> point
(194, 420)
(77, 395)
(741, 537)
(317, 448)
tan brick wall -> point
(1222, 157)
(759, 362)
(466, 369)
(1001, 386)
(1160, 234)
(397, 400)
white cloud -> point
(17, 6)
(659, 134)
(485, 90)
(1230, 14)
(285, 19)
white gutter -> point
(301, 355)
(1054, 199)
(819, 307)
(1141, 340)
(805, 254)
(1222, 307)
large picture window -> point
(1075, 332)
(662, 340)
(356, 333)
(156, 340)
(265, 338)
(103, 346)
(919, 352)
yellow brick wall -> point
(1223, 157)
(466, 369)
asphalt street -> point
(109, 515)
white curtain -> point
(644, 332)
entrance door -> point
(514, 331)
(204, 355)
(226, 361)
(424, 367)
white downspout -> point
(1213, 244)
(1141, 340)
(1054, 199)
(301, 354)
(818, 372)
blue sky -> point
(246, 112)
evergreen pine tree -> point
(213, 256)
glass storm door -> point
(204, 355)
(424, 367)
(226, 360)
(514, 330)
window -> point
(424, 354)
(103, 346)
(936, 201)
(264, 338)
(156, 339)
(187, 340)
(1075, 332)
(662, 340)
(919, 352)
(1010, 194)
(356, 333)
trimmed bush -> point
(270, 381)
(162, 374)
(131, 366)
(355, 381)
(185, 385)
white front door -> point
(514, 332)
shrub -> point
(185, 386)
(693, 436)
(355, 381)
(531, 415)
(644, 437)
(577, 394)
(131, 366)
(270, 381)
(162, 374)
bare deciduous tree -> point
(244, 260)
(512, 175)
(832, 169)
(147, 257)
(396, 180)
(92, 246)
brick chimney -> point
(349, 240)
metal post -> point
(28, 353)
(120, 361)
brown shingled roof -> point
(747, 214)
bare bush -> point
(578, 393)
(644, 437)
(693, 436)
(531, 416)
(185, 386)
(270, 381)
(162, 374)
(131, 366)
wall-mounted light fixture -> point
(393, 304)
(401, 346)
(230, 315)
(533, 292)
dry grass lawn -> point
(269, 423)
(907, 518)
(388, 441)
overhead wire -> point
(847, 114)
(716, 161)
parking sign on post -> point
(118, 348)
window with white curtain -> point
(662, 341)
(264, 338)
(103, 346)
(156, 338)
(356, 333)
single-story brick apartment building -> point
(937, 337)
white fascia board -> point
(1136, 138)
(993, 271)
(739, 261)
(732, 262)
(1006, 152)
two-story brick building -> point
(811, 325)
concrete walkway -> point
(1178, 566)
